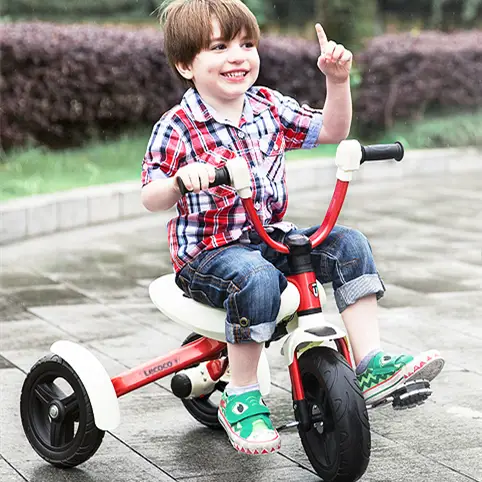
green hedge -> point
(70, 8)
(63, 84)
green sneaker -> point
(383, 376)
(246, 420)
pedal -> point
(287, 426)
(411, 394)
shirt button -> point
(241, 135)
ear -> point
(185, 71)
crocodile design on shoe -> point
(245, 418)
(425, 366)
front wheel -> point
(338, 442)
(56, 414)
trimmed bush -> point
(72, 8)
(289, 65)
(61, 85)
(405, 76)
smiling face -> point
(224, 70)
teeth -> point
(236, 74)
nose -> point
(236, 54)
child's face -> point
(227, 69)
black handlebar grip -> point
(222, 177)
(382, 152)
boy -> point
(212, 45)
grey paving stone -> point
(4, 363)
(37, 296)
(11, 308)
(21, 278)
(9, 474)
(392, 462)
(157, 424)
(87, 322)
(427, 241)
(253, 474)
(23, 334)
(106, 288)
(465, 460)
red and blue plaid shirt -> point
(193, 132)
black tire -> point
(339, 451)
(203, 409)
(73, 438)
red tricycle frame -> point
(205, 349)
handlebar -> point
(222, 177)
(382, 152)
(376, 152)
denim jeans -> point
(248, 279)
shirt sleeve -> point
(164, 152)
(301, 124)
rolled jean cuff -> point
(351, 292)
(235, 333)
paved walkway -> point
(91, 286)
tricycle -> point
(65, 426)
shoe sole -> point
(426, 369)
(247, 447)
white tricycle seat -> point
(203, 319)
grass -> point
(38, 171)
(455, 130)
(32, 171)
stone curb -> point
(44, 214)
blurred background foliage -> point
(36, 169)
(349, 21)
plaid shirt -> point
(193, 132)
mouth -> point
(235, 74)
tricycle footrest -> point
(411, 394)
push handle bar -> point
(222, 177)
(382, 152)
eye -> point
(249, 45)
(218, 47)
(240, 408)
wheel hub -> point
(54, 411)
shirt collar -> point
(200, 111)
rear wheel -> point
(205, 409)
(338, 442)
(56, 414)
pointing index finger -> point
(321, 36)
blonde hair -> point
(187, 27)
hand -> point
(196, 176)
(334, 61)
